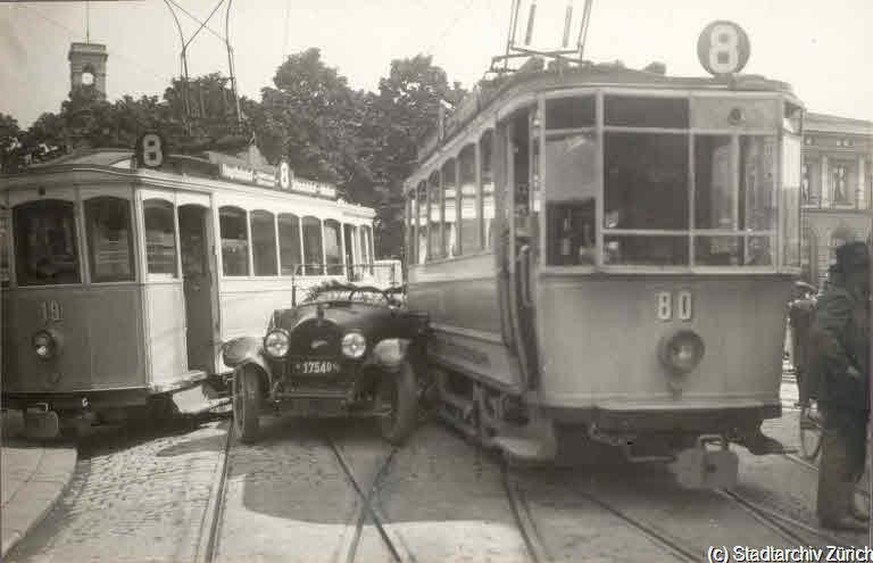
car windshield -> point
(334, 291)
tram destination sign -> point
(281, 178)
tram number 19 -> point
(50, 311)
(664, 305)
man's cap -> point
(853, 256)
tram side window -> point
(332, 247)
(263, 243)
(486, 177)
(289, 244)
(409, 217)
(45, 243)
(234, 241)
(367, 242)
(4, 246)
(645, 189)
(110, 245)
(313, 253)
(571, 191)
(469, 226)
(423, 227)
(450, 193)
(160, 237)
(436, 220)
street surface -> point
(333, 491)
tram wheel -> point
(396, 402)
(246, 404)
(810, 433)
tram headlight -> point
(46, 344)
(681, 351)
(354, 345)
(277, 343)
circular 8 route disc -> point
(723, 48)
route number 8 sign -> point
(150, 150)
(723, 48)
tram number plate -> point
(315, 367)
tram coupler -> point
(41, 423)
(701, 467)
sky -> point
(823, 49)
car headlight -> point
(276, 343)
(682, 351)
(45, 345)
(354, 345)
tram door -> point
(523, 248)
(194, 238)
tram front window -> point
(160, 237)
(571, 162)
(110, 245)
(45, 243)
(645, 189)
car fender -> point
(247, 351)
(390, 353)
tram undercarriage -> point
(694, 442)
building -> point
(88, 66)
(836, 189)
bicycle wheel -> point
(810, 433)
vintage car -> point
(345, 351)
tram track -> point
(814, 468)
(368, 508)
(211, 525)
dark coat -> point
(840, 338)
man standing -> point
(842, 332)
(800, 315)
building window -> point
(45, 243)
(110, 246)
(160, 237)
(840, 183)
(234, 241)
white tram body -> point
(608, 251)
(122, 282)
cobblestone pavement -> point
(287, 498)
(138, 494)
(142, 495)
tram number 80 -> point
(664, 305)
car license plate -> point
(315, 367)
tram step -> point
(197, 400)
(524, 449)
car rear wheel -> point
(397, 405)
(246, 404)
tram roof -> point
(209, 166)
(532, 77)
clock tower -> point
(88, 66)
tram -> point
(605, 255)
(124, 272)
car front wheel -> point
(246, 404)
(397, 405)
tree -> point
(406, 109)
(9, 141)
(314, 120)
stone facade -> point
(837, 189)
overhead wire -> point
(450, 27)
(198, 20)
